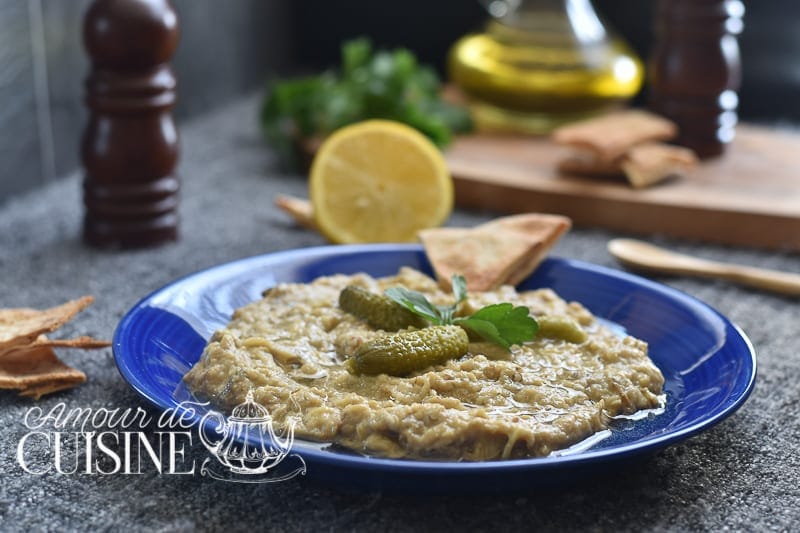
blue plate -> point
(708, 362)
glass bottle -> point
(541, 63)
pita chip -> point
(22, 326)
(299, 209)
(37, 371)
(37, 391)
(651, 163)
(610, 136)
(83, 342)
(484, 257)
(27, 360)
(642, 165)
(587, 164)
(541, 231)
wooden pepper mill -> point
(130, 145)
(695, 70)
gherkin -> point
(561, 327)
(378, 310)
(405, 352)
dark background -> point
(770, 43)
(231, 48)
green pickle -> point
(405, 352)
(378, 310)
(561, 327)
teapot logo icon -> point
(248, 444)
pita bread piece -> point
(23, 326)
(37, 371)
(541, 230)
(651, 163)
(643, 165)
(83, 342)
(587, 164)
(610, 136)
(299, 209)
(484, 258)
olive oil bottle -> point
(541, 63)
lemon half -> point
(379, 181)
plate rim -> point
(416, 466)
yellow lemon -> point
(379, 181)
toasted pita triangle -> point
(36, 392)
(541, 231)
(83, 342)
(299, 209)
(484, 257)
(610, 136)
(650, 163)
(38, 370)
(23, 326)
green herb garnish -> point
(371, 84)
(503, 323)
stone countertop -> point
(742, 474)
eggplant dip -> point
(330, 372)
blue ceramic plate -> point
(708, 363)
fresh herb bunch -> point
(502, 323)
(371, 84)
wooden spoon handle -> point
(642, 255)
(762, 278)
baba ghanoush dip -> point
(290, 350)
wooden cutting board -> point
(748, 197)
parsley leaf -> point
(416, 303)
(459, 288)
(460, 293)
(502, 323)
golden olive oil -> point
(541, 68)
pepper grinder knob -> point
(130, 144)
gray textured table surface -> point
(743, 474)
